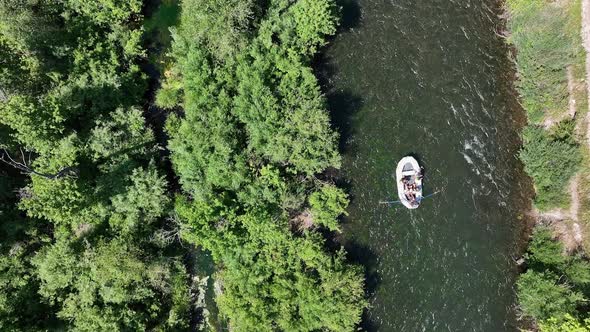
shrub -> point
(551, 163)
(542, 297)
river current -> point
(431, 78)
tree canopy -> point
(91, 225)
(249, 142)
(555, 287)
(87, 196)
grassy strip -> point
(555, 287)
(547, 38)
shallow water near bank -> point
(431, 79)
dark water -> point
(430, 78)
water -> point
(433, 79)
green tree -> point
(327, 204)
(142, 203)
(70, 81)
(544, 251)
(253, 134)
(567, 324)
(108, 285)
(542, 297)
(271, 277)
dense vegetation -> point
(251, 137)
(88, 253)
(546, 35)
(555, 288)
(551, 158)
(90, 230)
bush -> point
(551, 163)
(555, 285)
(327, 204)
(542, 297)
(565, 324)
(544, 251)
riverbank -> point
(551, 41)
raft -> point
(409, 182)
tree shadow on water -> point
(343, 105)
(363, 255)
(350, 14)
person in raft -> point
(409, 189)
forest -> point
(100, 233)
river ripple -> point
(433, 79)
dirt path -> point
(586, 43)
(575, 197)
(571, 112)
(571, 86)
(571, 233)
(586, 40)
(565, 222)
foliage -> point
(84, 257)
(253, 134)
(271, 277)
(221, 27)
(105, 11)
(143, 201)
(541, 297)
(578, 273)
(544, 252)
(21, 307)
(546, 35)
(107, 286)
(567, 324)
(85, 250)
(550, 161)
(327, 204)
(555, 286)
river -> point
(433, 79)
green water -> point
(430, 78)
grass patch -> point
(551, 158)
(547, 37)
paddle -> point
(396, 202)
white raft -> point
(409, 182)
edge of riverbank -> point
(558, 127)
(571, 225)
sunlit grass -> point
(547, 37)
